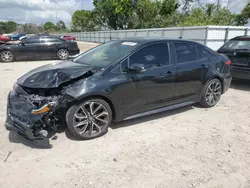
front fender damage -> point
(35, 116)
(39, 101)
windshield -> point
(237, 44)
(105, 54)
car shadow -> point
(14, 137)
(241, 85)
(127, 123)
(132, 122)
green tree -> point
(84, 20)
(242, 18)
(61, 25)
(114, 14)
(186, 5)
(50, 27)
(8, 27)
(158, 13)
(168, 7)
(210, 14)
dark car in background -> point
(38, 47)
(238, 51)
(117, 80)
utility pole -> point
(229, 3)
(56, 16)
(218, 4)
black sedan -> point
(118, 80)
(38, 47)
(238, 51)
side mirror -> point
(137, 68)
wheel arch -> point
(6, 49)
(106, 99)
(62, 48)
(219, 78)
(208, 80)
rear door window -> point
(185, 52)
(31, 40)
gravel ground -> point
(184, 148)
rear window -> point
(237, 44)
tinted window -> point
(204, 53)
(185, 52)
(31, 40)
(151, 56)
(237, 44)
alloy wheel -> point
(90, 119)
(213, 93)
(63, 54)
(7, 56)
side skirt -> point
(159, 110)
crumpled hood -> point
(53, 75)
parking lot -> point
(187, 147)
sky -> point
(41, 11)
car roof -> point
(247, 37)
(142, 40)
(43, 36)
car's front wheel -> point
(89, 119)
(63, 54)
(6, 56)
(211, 93)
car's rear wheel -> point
(89, 119)
(63, 54)
(6, 56)
(211, 93)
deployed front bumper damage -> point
(32, 115)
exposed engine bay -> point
(38, 101)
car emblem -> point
(235, 53)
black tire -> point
(6, 56)
(83, 132)
(211, 92)
(63, 54)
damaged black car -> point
(115, 81)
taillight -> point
(228, 62)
